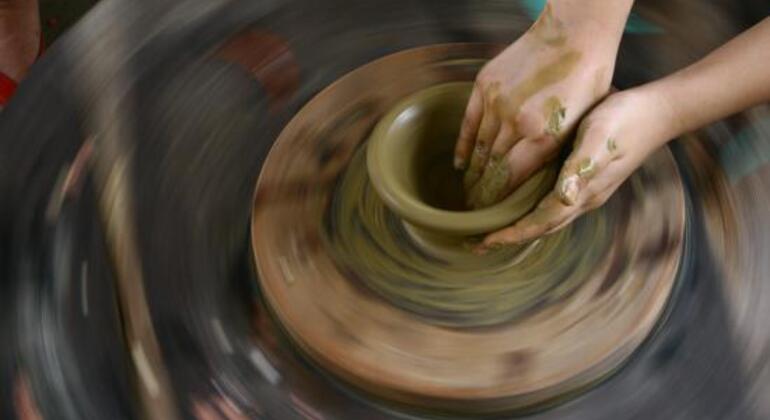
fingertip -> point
(568, 190)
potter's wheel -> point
(367, 300)
(205, 89)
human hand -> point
(612, 142)
(527, 100)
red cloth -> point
(7, 88)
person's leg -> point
(19, 37)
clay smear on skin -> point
(487, 132)
(474, 171)
(549, 29)
(548, 75)
(555, 113)
(492, 185)
(586, 168)
(569, 185)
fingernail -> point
(569, 190)
(459, 163)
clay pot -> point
(409, 160)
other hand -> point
(612, 142)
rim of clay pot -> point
(388, 150)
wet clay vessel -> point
(409, 161)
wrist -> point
(667, 122)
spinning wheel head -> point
(369, 303)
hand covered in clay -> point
(612, 142)
(528, 99)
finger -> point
(506, 138)
(527, 157)
(525, 124)
(594, 151)
(522, 156)
(468, 129)
(492, 185)
(488, 130)
(556, 118)
(502, 176)
(544, 133)
(549, 214)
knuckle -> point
(541, 143)
(528, 123)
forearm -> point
(732, 78)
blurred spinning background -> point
(132, 151)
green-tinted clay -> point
(549, 29)
(492, 185)
(586, 168)
(555, 113)
(476, 167)
(612, 145)
(568, 190)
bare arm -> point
(616, 137)
(734, 77)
